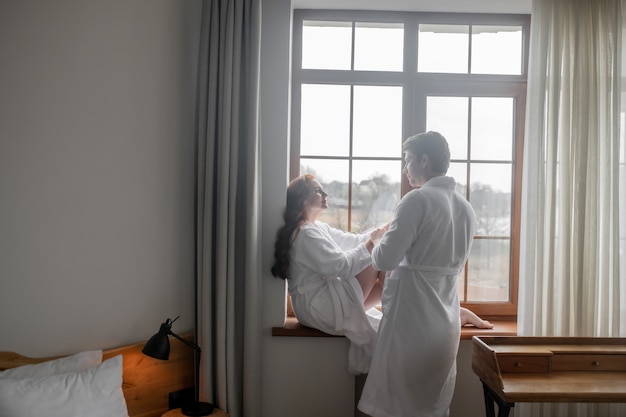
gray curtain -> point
(227, 208)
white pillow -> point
(74, 363)
(94, 392)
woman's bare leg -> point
(371, 282)
(373, 299)
(367, 280)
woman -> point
(413, 369)
(331, 280)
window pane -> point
(378, 46)
(377, 121)
(458, 171)
(488, 270)
(490, 196)
(497, 50)
(449, 116)
(325, 120)
(443, 48)
(496, 176)
(376, 192)
(326, 45)
(333, 175)
(492, 128)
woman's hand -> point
(375, 237)
(377, 234)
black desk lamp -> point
(158, 347)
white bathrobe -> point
(324, 291)
(413, 369)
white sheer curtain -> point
(228, 265)
(572, 245)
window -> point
(365, 81)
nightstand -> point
(177, 412)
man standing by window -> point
(413, 370)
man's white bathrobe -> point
(324, 291)
(413, 369)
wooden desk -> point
(549, 369)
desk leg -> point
(490, 398)
(489, 407)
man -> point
(413, 370)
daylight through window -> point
(365, 81)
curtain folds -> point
(572, 267)
(227, 206)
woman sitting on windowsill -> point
(330, 278)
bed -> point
(145, 385)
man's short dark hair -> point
(432, 144)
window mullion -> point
(350, 157)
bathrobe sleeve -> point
(345, 240)
(318, 251)
(402, 232)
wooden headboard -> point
(146, 381)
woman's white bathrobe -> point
(324, 291)
(413, 369)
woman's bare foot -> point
(468, 317)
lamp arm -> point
(196, 361)
(190, 344)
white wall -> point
(96, 171)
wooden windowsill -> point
(500, 328)
(294, 329)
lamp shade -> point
(158, 346)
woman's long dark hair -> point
(299, 190)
